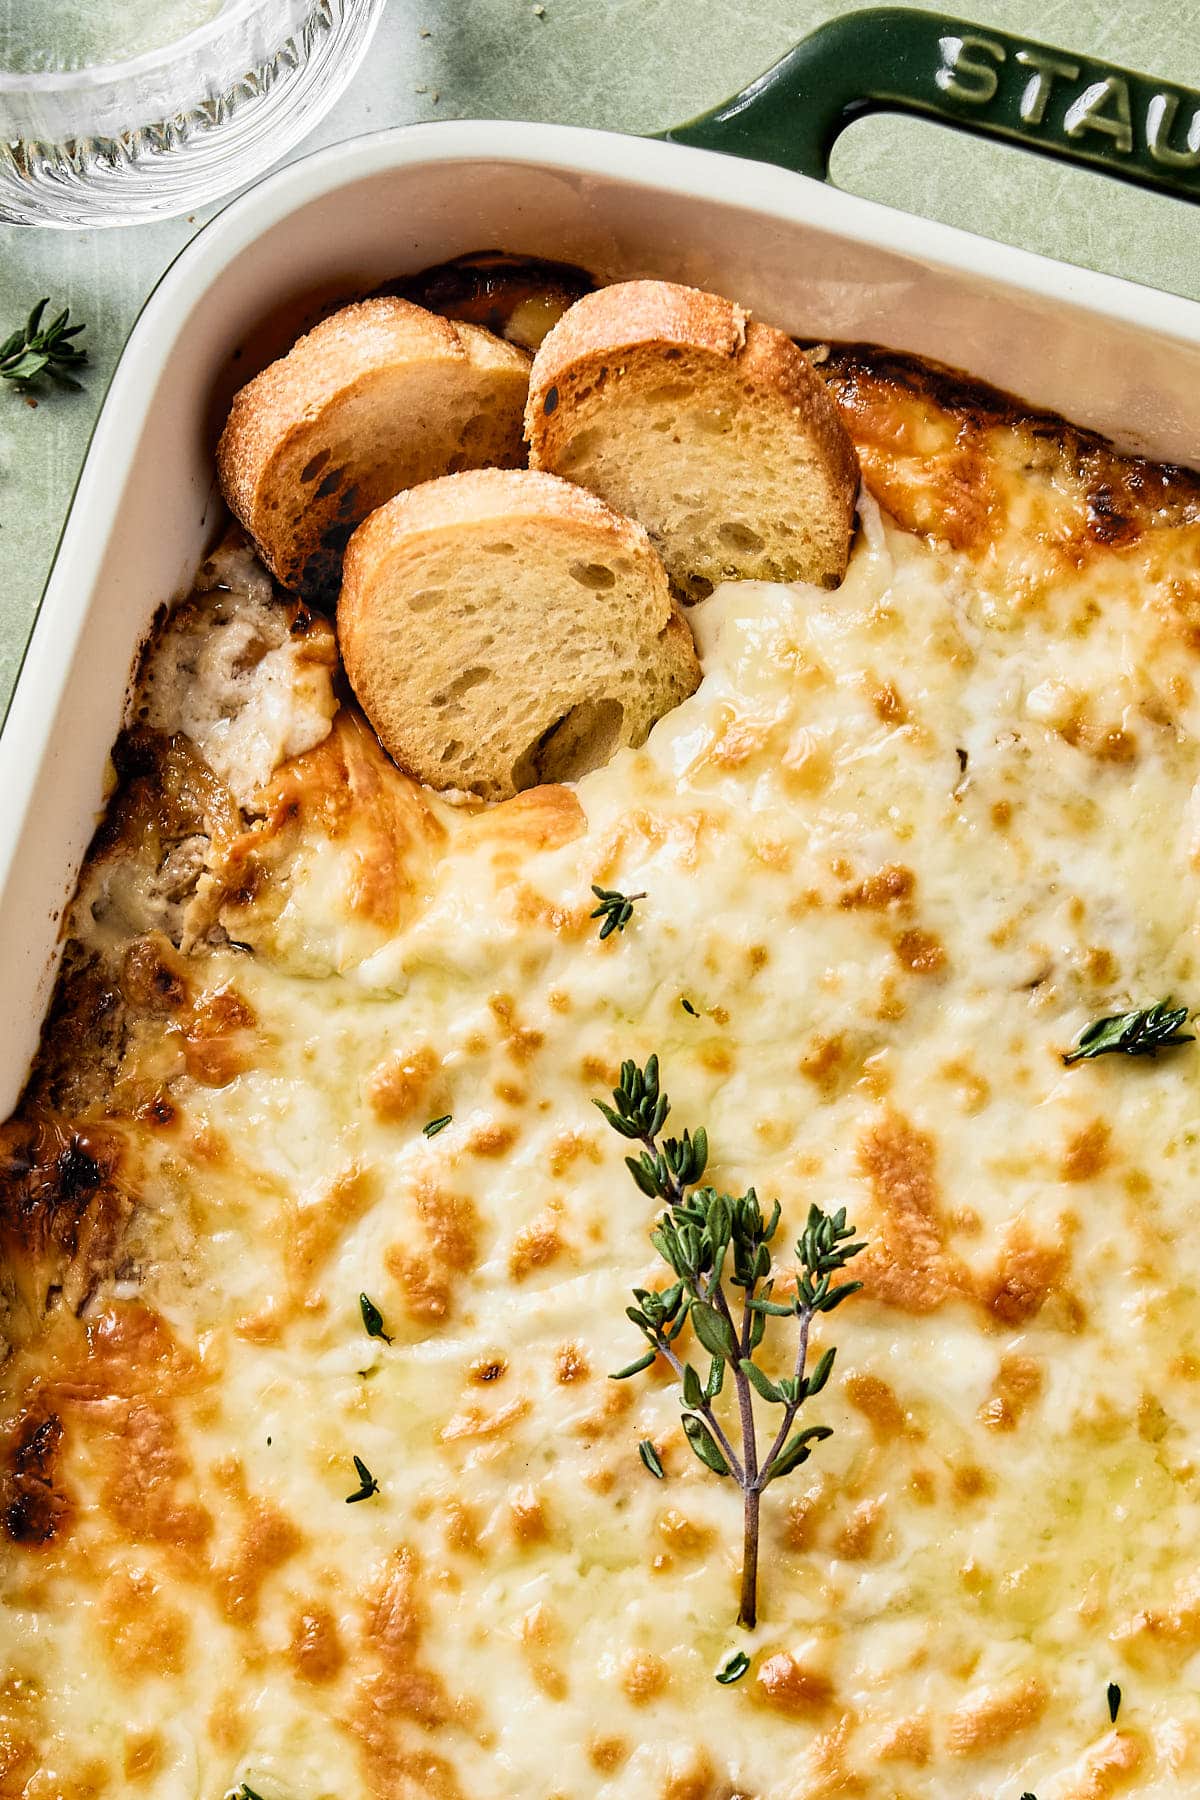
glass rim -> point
(44, 81)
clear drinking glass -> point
(113, 111)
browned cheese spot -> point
(528, 1513)
(920, 952)
(220, 1038)
(405, 1086)
(486, 1369)
(1027, 1273)
(537, 1244)
(994, 1716)
(643, 1676)
(521, 1043)
(1108, 1767)
(492, 1140)
(268, 1539)
(803, 1518)
(541, 1644)
(606, 1754)
(145, 1753)
(315, 1649)
(569, 1147)
(399, 1690)
(1017, 1386)
(690, 1776)
(907, 1740)
(891, 886)
(876, 1401)
(450, 1225)
(571, 1364)
(1087, 1153)
(145, 1635)
(315, 1231)
(790, 1687)
(907, 1263)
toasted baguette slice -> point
(503, 628)
(376, 398)
(714, 431)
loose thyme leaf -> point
(615, 908)
(733, 1669)
(1142, 1033)
(687, 1006)
(1114, 1701)
(367, 1484)
(34, 351)
(372, 1318)
(435, 1125)
(649, 1456)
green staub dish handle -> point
(898, 59)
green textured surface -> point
(627, 65)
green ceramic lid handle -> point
(897, 59)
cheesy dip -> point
(905, 843)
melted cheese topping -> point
(903, 844)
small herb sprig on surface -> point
(713, 1243)
(615, 909)
(435, 1125)
(34, 350)
(1142, 1033)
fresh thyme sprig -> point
(715, 1242)
(34, 350)
(1142, 1033)
(615, 909)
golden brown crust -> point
(634, 331)
(932, 443)
(277, 470)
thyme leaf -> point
(34, 350)
(372, 1318)
(616, 909)
(1142, 1033)
(367, 1484)
(1114, 1701)
(650, 1457)
(435, 1125)
(733, 1668)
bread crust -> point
(331, 366)
(640, 322)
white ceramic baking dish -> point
(1117, 357)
